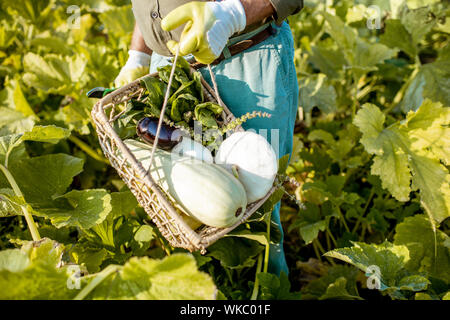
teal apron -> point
(262, 78)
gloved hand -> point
(208, 27)
(137, 66)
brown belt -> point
(241, 46)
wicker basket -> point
(149, 195)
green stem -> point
(256, 285)
(86, 148)
(28, 217)
(328, 240)
(322, 250)
(266, 253)
(316, 250)
(399, 96)
(341, 216)
(363, 233)
(332, 238)
(358, 222)
(308, 119)
(166, 250)
(355, 95)
(102, 275)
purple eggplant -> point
(168, 136)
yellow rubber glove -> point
(137, 66)
(209, 25)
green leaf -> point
(50, 134)
(33, 273)
(337, 150)
(276, 288)
(426, 246)
(338, 290)
(144, 234)
(428, 128)
(12, 121)
(32, 11)
(410, 151)
(10, 204)
(328, 60)
(283, 164)
(413, 283)
(274, 198)
(118, 21)
(316, 91)
(76, 115)
(385, 262)
(331, 285)
(260, 237)
(182, 104)
(370, 121)
(344, 36)
(173, 278)
(11, 147)
(418, 23)
(103, 63)
(122, 203)
(235, 253)
(206, 113)
(156, 90)
(79, 208)
(310, 222)
(413, 97)
(53, 73)
(396, 36)
(365, 56)
(42, 179)
(431, 82)
(437, 81)
(89, 257)
(390, 259)
(15, 99)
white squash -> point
(254, 159)
(208, 193)
(204, 191)
(194, 149)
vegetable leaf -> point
(426, 246)
(386, 262)
(402, 154)
(79, 208)
(276, 288)
(175, 277)
(315, 91)
(42, 179)
(33, 273)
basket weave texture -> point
(149, 195)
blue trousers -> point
(261, 78)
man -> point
(250, 47)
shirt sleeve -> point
(285, 8)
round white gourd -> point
(255, 160)
(208, 192)
(194, 149)
(204, 191)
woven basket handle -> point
(163, 109)
(219, 100)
